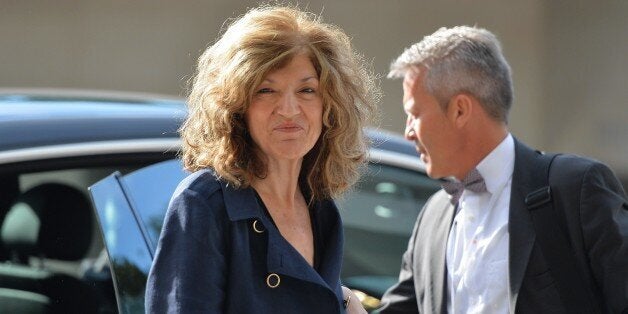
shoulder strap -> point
(554, 243)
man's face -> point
(428, 126)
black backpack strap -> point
(551, 233)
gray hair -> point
(461, 59)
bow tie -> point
(473, 182)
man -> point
(476, 251)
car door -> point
(130, 211)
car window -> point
(78, 178)
(149, 190)
(378, 218)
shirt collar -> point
(497, 167)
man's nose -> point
(409, 132)
(288, 106)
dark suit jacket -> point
(596, 213)
(211, 260)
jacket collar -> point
(520, 225)
(240, 204)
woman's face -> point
(286, 111)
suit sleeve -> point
(401, 298)
(604, 212)
(188, 271)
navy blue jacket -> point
(218, 252)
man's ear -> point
(460, 109)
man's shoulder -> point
(577, 161)
(571, 167)
(565, 164)
(585, 172)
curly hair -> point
(264, 39)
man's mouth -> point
(423, 158)
(422, 153)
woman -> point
(274, 133)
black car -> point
(62, 253)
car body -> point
(125, 146)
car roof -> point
(33, 119)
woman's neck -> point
(281, 184)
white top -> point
(477, 248)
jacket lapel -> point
(282, 257)
(520, 225)
(440, 259)
(430, 259)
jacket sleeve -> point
(401, 298)
(604, 214)
(188, 271)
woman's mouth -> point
(288, 128)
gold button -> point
(273, 280)
(257, 228)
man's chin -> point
(429, 171)
(435, 177)
(438, 175)
(435, 174)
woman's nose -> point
(288, 106)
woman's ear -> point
(460, 109)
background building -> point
(569, 57)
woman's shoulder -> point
(199, 189)
(201, 182)
(197, 200)
(196, 207)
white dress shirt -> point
(477, 247)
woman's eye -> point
(308, 90)
(264, 91)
